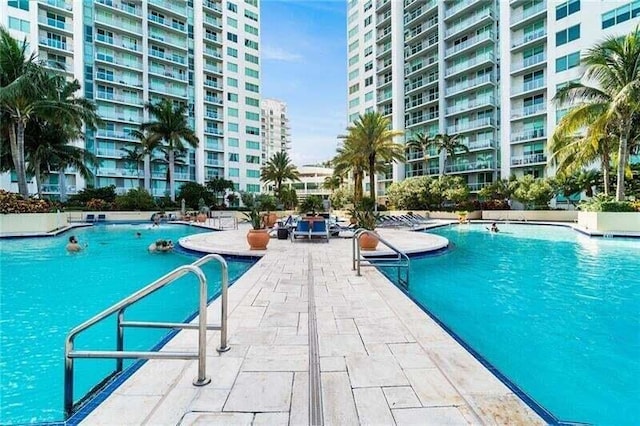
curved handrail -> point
(356, 250)
(224, 287)
(118, 308)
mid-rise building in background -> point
(126, 53)
(276, 132)
(484, 70)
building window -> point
(252, 102)
(353, 31)
(253, 173)
(621, 14)
(367, 21)
(354, 59)
(567, 35)
(19, 24)
(250, 130)
(368, 51)
(251, 73)
(368, 96)
(233, 97)
(232, 67)
(569, 61)
(253, 159)
(251, 44)
(250, 29)
(232, 7)
(234, 142)
(19, 4)
(353, 74)
(251, 58)
(233, 112)
(252, 116)
(368, 66)
(232, 127)
(354, 102)
(252, 187)
(234, 156)
(252, 87)
(232, 52)
(232, 82)
(233, 172)
(353, 89)
(253, 145)
(249, 14)
(232, 37)
(368, 81)
(567, 8)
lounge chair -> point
(90, 218)
(302, 229)
(319, 229)
(102, 217)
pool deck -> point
(312, 343)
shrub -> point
(98, 204)
(192, 192)
(107, 193)
(135, 199)
(602, 203)
(14, 203)
(533, 193)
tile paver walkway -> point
(382, 359)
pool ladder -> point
(119, 308)
(401, 261)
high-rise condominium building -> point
(125, 53)
(276, 132)
(483, 70)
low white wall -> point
(31, 223)
(609, 221)
(531, 215)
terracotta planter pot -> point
(202, 217)
(368, 242)
(258, 239)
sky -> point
(303, 49)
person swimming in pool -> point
(494, 228)
(161, 246)
(73, 246)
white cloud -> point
(270, 53)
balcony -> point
(167, 56)
(526, 160)
(212, 69)
(528, 38)
(108, 96)
(168, 73)
(213, 5)
(214, 131)
(459, 7)
(487, 35)
(215, 22)
(421, 29)
(538, 58)
(529, 86)
(213, 99)
(55, 23)
(117, 42)
(110, 134)
(466, 65)
(214, 163)
(180, 9)
(117, 60)
(481, 144)
(421, 118)
(118, 24)
(64, 5)
(477, 102)
(110, 152)
(118, 172)
(471, 125)
(170, 90)
(477, 81)
(420, 47)
(528, 111)
(524, 15)
(469, 167)
(165, 38)
(178, 26)
(469, 22)
(137, 11)
(213, 52)
(477, 186)
(527, 135)
(212, 84)
(55, 188)
(56, 44)
(421, 11)
(421, 82)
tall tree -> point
(29, 91)
(450, 145)
(148, 145)
(608, 102)
(219, 185)
(351, 159)
(373, 134)
(279, 169)
(170, 125)
(332, 182)
(133, 155)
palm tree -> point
(451, 145)
(170, 126)
(421, 142)
(147, 146)
(332, 182)
(29, 91)
(279, 169)
(350, 159)
(609, 100)
(372, 133)
(134, 155)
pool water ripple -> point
(556, 312)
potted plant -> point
(258, 236)
(268, 203)
(367, 218)
(310, 205)
(203, 210)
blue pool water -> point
(557, 312)
(45, 291)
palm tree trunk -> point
(605, 172)
(16, 139)
(62, 182)
(622, 162)
(172, 189)
(147, 173)
(372, 176)
(36, 169)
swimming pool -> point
(556, 312)
(45, 291)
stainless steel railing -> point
(401, 261)
(119, 354)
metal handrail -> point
(357, 258)
(119, 354)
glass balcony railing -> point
(481, 144)
(472, 124)
(525, 160)
(466, 84)
(470, 21)
(538, 58)
(213, 99)
(175, 7)
(484, 100)
(214, 5)
(528, 134)
(57, 44)
(111, 134)
(477, 186)
(528, 110)
(524, 14)
(470, 167)
(63, 25)
(487, 35)
(529, 37)
(464, 65)
(528, 86)
(60, 4)
(213, 131)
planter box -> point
(609, 221)
(531, 215)
(31, 223)
(454, 215)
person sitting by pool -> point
(161, 246)
(73, 245)
(155, 218)
(494, 228)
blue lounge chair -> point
(102, 217)
(90, 218)
(301, 230)
(319, 229)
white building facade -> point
(484, 70)
(276, 131)
(202, 54)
